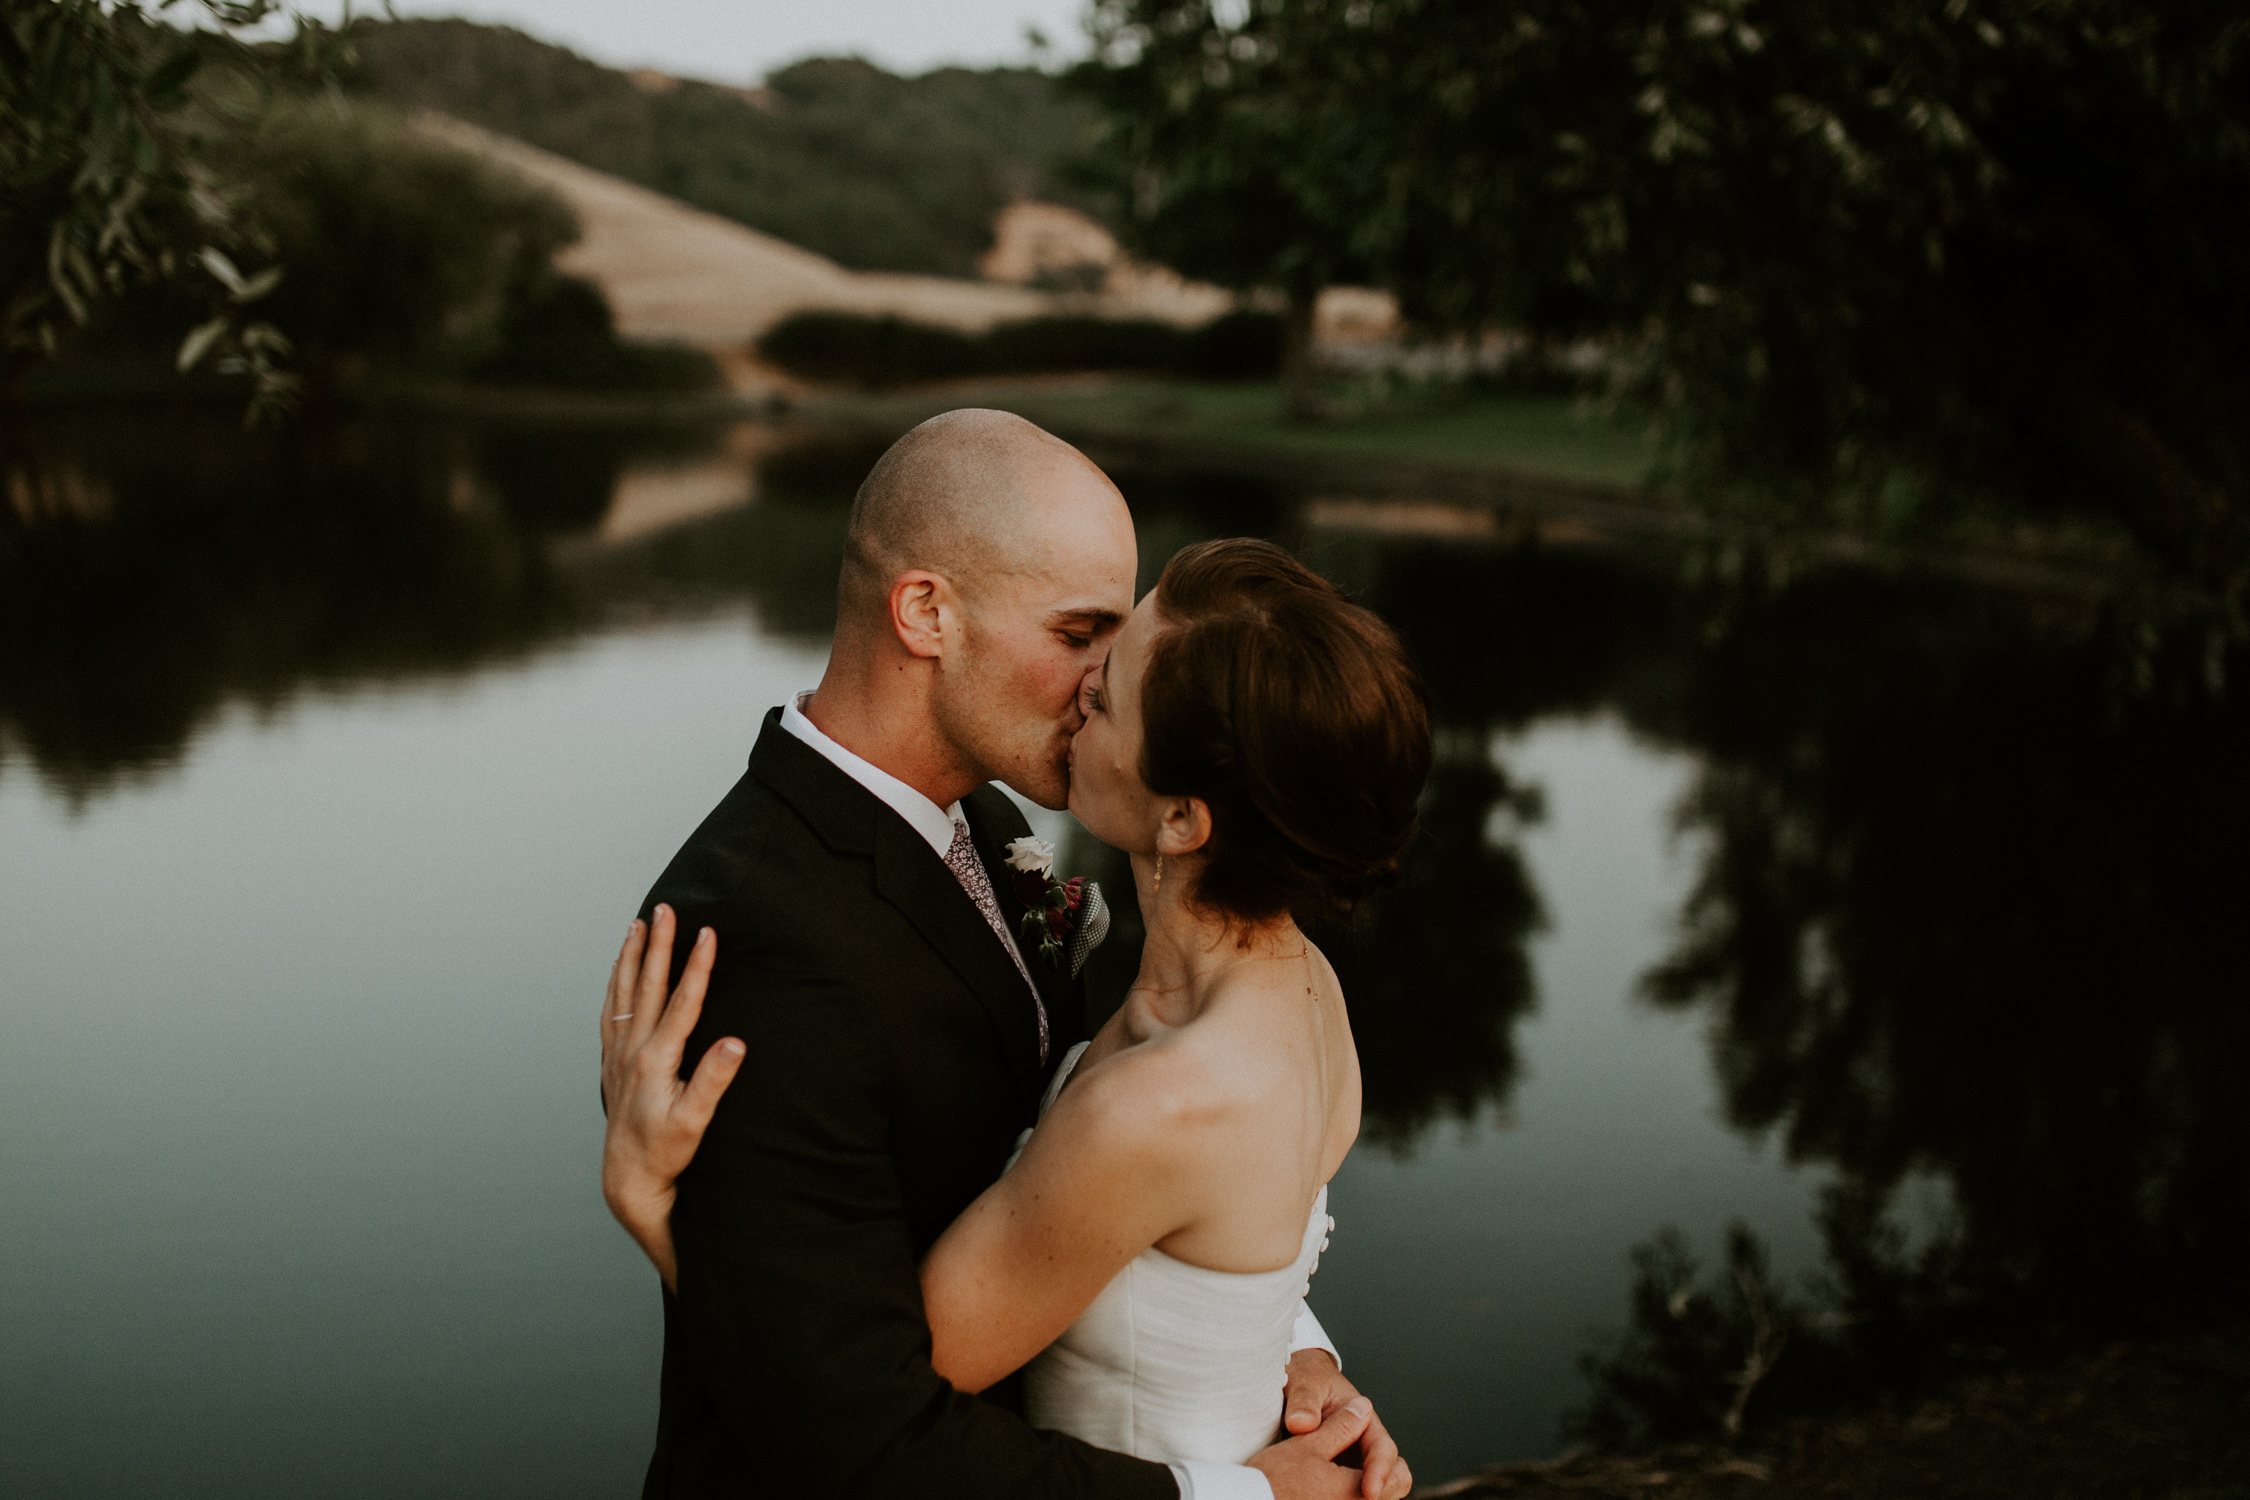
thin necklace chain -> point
(1304, 953)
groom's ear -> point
(919, 602)
(1186, 827)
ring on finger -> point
(624, 1015)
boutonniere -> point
(1050, 905)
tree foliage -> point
(107, 113)
(1232, 169)
(390, 251)
(1227, 162)
(1873, 260)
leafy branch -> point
(108, 116)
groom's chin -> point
(1052, 790)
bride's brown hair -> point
(1295, 716)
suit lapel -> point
(841, 811)
(852, 820)
(917, 882)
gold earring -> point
(1159, 876)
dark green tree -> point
(107, 117)
(1877, 263)
(1234, 156)
(1903, 256)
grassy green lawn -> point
(1548, 437)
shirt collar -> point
(932, 822)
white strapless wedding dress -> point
(1174, 1362)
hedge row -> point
(878, 351)
(558, 330)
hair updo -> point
(1294, 715)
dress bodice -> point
(1175, 1362)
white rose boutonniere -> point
(1033, 856)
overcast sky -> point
(740, 41)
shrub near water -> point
(558, 330)
(852, 348)
(870, 351)
(401, 251)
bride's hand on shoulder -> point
(656, 1121)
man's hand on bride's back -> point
(1307, 1467)
(656, 1121)
(1315, 1391)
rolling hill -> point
(874, 171)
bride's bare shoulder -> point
(1172, 1086)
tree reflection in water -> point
(1972, 911)
(1437, 971)
(153, 571)
(1441, 974)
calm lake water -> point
(1898, 922)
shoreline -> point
(1549, 471)
(2161, 1419)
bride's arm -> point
(1110, 1172)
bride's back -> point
(1180, 1356)
(1260, 1073)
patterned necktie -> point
(962, 860)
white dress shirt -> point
(925, 817)
(1198, 1481)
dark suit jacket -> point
(893, 1057)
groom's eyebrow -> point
(1087, 616)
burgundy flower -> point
(1050, 905)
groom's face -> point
(1034, 624)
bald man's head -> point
(966, 495)
(986, 566)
